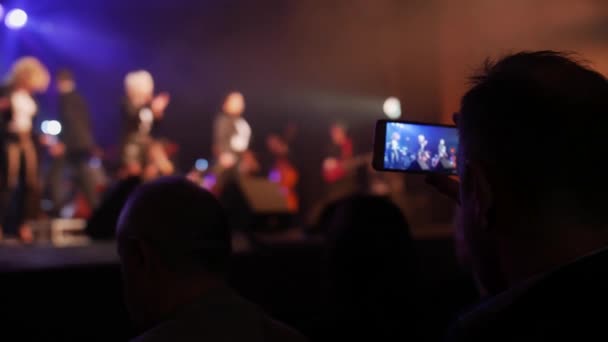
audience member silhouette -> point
(174, 245)
(535, 230)
(372, 271)
(102, 223)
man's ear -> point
(134, 253)
(141, 255)
(483, 192)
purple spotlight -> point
(15, 19)
(1, 11)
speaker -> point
(263, 195)
(255, 203)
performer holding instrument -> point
(339, 170)
(283, 170)
(340, 166)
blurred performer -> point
(232, 133)
(337, 171)
(231, 136)
(395, 149)
(453, 157)
(442, 154)
(442, 150)
(422, 152)
(141, 112)
(17, 110)
(283, 171)
(157, 162)
(76, 144)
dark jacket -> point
(221, 316)
(224, 128)
(567, 304)
(76, 131)
(132, 121)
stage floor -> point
(16, 257)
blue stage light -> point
(201, 165)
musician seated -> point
(283, 170)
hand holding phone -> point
(446, 185)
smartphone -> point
(414, 147)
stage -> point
(15, 257)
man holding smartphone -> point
(535, 234)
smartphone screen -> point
(415, 147)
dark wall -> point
(306, 62)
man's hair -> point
(65, 75)
(537, 121)
(184, 223)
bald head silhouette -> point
(184, 223)
(174, 245)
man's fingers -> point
(447, 185)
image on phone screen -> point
(415, 147)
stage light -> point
(15, 19)
(50, 127)
(1, 11)
(392, 107)
(201, 165)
